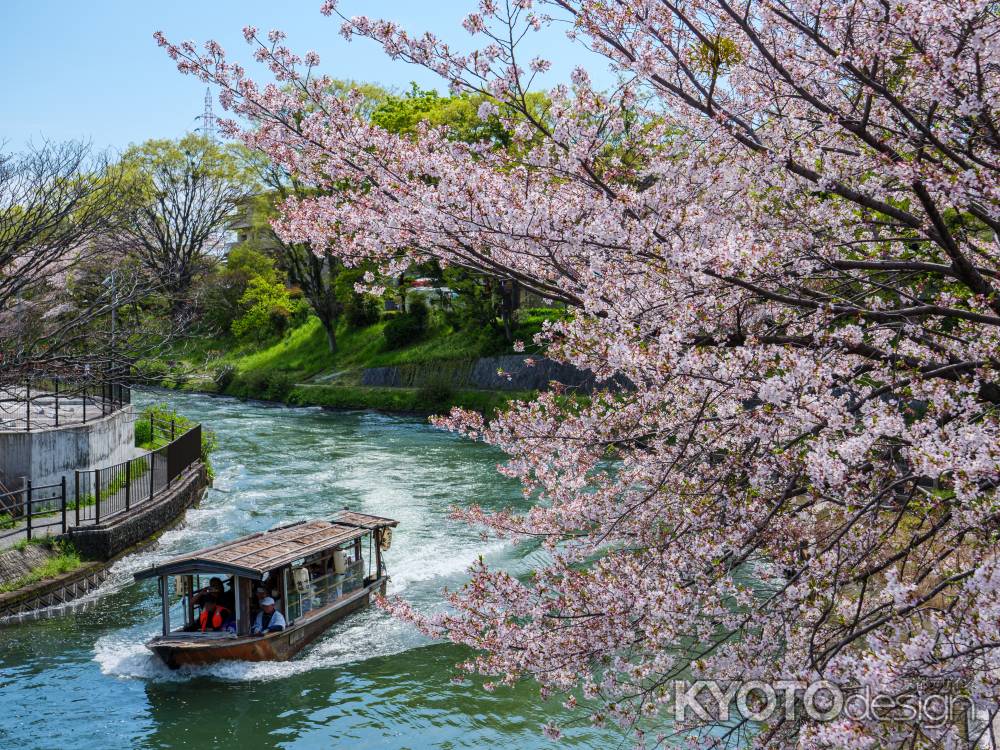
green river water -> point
(84, 679)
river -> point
(84, 680)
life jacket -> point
(218, 617)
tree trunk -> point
(331, 334)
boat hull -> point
(178, 652)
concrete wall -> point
(483, 374)
(44, 456)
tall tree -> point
(314, 273)
(184, 194)
(58, 201)
(783, 233)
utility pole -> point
(112, 282)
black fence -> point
(100, 494)
(33, 510)
(97, 495)
(182, 452)
(41, 403)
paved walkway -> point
(47, 410)
(52, 525)
(111, 507)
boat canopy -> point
(254, 555)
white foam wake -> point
(365, 636)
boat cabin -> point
(309, 568)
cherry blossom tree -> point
(58, 204)
(781, 230)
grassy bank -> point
(415, 400)
(299, 368)
(62, 559)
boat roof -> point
(254, 555)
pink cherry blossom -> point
(778, 237)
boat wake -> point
(366, 635)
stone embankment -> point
(515, 372)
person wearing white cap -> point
(269, 620)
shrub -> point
(362, 311)
(218, 294)
(273, 385)
(162, 415)
(300, 310)
(408, 327)
(279, 385)
(437, 392)
(267, 309)
(359, 310)
(402, 331)
(247, 384)
(209, 442)
(418, 310)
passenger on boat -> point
(269, 620)
(259, 592)
(216, 589)
(214, 617)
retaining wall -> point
(45, 456)
(113, 537)
(483, 374)
(24, 604)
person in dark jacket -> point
(269, 619)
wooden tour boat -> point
(315, 570)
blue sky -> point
(91, 70)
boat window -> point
(187, 592)
(324, 579)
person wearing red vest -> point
(213, 616)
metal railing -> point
(106, 492)
(41, 403)
(161, 431)
(33, 509)
(98, 494)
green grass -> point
(303, 351)
(274, 370)
(65, 560)
(400, 399)
(35, 541)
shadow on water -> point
(85, 680)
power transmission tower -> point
(207, 118)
